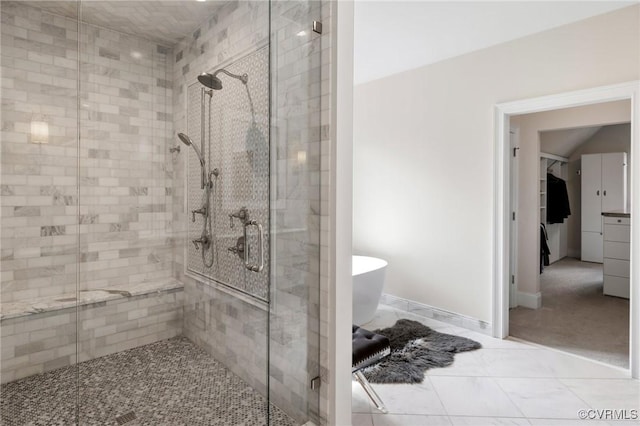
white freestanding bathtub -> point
(368, 280)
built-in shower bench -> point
(40, 335)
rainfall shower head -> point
(188, 142)
(208, 80)
(213, 82)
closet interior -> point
(554, 206)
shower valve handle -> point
(204, 240)
(242, 214)
(202, 211)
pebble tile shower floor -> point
(172, 382)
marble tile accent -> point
(474, 396)
(437, 314)
(45, 339)
(508, 383)
(233, 331)
(542, 398)
(296, 141)
(488, 421)
(186, 386)
(566, 422)
(420, 399)
(360, 419)
(123, 157)
(606, 393)
(133, 223)
(409, 420)
(238, 147)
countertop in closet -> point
(617, 213)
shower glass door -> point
(39, 210)
(296, 135)
(161, 228)
(222, 179)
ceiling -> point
(390, 36)
(564, 142)
(164, 22)
(395, 36)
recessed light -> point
(136, 55)
(201, 1)
(302, 33)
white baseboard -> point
(528, 300)
(438, 314)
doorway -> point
(503, 215)
(571, 300)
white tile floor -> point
(507, 382)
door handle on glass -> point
(604, 192)
(249, 266)
(598, 192)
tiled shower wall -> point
(133, 189)
(211, 315)
(239, 149)
(125, 176)
(231, 329)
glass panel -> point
(176, 335)
(39, 213)
(102, 202)
(227, 122)
(295, 209)
(131, 316)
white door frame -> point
(502, 215)
(514, 146)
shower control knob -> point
(242, 214)
(202, 210)
(204, 240)
(238, 248)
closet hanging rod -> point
(551, 165)
(554, 157)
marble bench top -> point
(64, 301)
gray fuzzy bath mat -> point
(414, 349)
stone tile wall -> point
(211, 314)
(132, 195)
(123, 168)
(40, 342)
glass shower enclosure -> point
(160, 205)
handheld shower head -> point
(188, 142)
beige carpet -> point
(575, 316)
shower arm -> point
(244, 78)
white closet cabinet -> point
(604, 189)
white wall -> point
(423, 152)
(530, 126)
